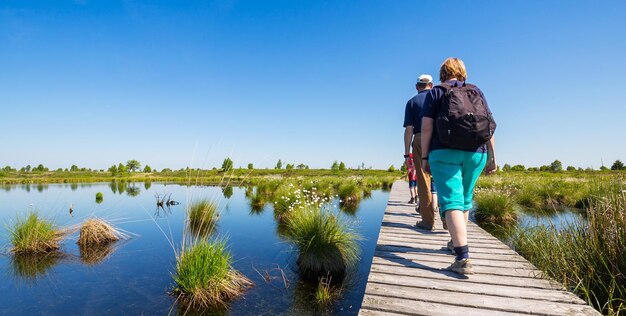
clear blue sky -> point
(177, 83)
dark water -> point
(134, 277)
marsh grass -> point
(350, 196)
(326, 244)
(99, 197)
(257, 203)
(587, 256)
(205, 277)
(32, 235)
(495, 208)
(203, 215)
(97, 231)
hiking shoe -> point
(463, 266)
(411, 201)
(422, 225)
(451, 246)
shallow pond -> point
(134, 277)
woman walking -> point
(458, 144)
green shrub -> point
(34, 235)
(495, 208)
(99, 197)
(204, 275)
(326, 244)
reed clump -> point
(96, 231)
(326, 244)
(204, 275)
(32, 235)
(587, 256)
(203, 216)
(349, 193)
(495, 208)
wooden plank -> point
(434, 273)
(478, 288)
(414, 307)
(444, 251)
(439, 265)
(462, 299)
(489, 262)
(408, 244)
(419, 239)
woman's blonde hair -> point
(452, 68)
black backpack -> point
(463, 121)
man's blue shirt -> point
(413, 111)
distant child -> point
(412, 175)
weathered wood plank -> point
(477, 288)
(489, 262)
(504, 304)
(414, 307)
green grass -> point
(350, 195)
(205, 277)
(31, 234)
(203, 217)
(326, 244)
(99, 197)
(588, 256)
(495, 208)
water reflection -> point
(228, 192)
(147, 185)
(133, 190)
(95, 254)
(29, 267)
(74, 186)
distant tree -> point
(250, 166)
(533, 169)
(588, 169)
(570, 168)
(121, 169)
(617, 165)
(8, 169)
(133, 165)
(73, 168)
(27, 168)
(506, 167)
(40, 168)
(335, 166)
(342, 166)
(147, 169)
(556, 166)
(544, 168)
(113, 170)
(289, 166)
(518, 168)
(391, 168)
(166, 170)
(603, 168)
(227, 165)
(59, 169)
(279, 164)
(301, 166)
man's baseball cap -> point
(425, 79)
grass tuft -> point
(96, 231)
(495, 208)
(31, 235)
(326, 244)
(204, 276)
(99, 197)
(326, 293)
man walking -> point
(412, 129)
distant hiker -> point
(412, 129)
(457, 144)
(412, 176)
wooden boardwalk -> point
(407, 276)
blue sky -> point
(178, 83)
